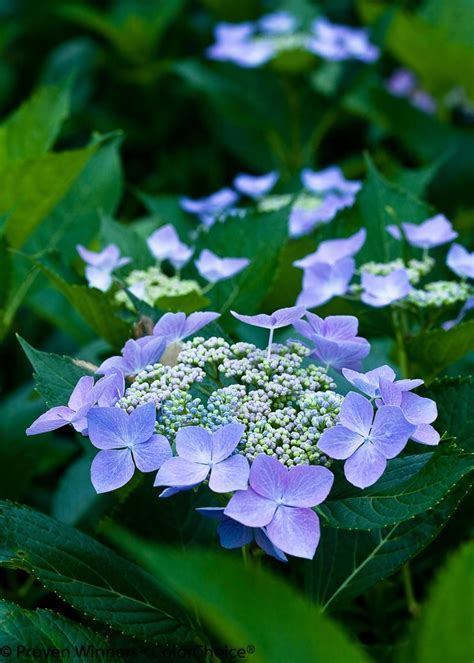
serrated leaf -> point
(395, 499)
(349, 562)
(96, 307)
(55, 375)
(88, 575)
(433, 351)
(44, 630)
(454, 398)
(444, 631)
(32, 129)
(218, 587)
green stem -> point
(412, 603)
(400, 343)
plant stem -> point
(399, 340)
(269, 347)
(412, 603)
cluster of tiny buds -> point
(416, 269)
(156, 285)
(285, 403)
(441, 293)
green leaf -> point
(129, 242)
(31, 130)
(444, 631)
(43, 629)
(166, 209)
(75, 496)
(349, 562)
(381, 203)
(33, 188)
(23, 458)
(192, 301)
(417, 44)
(394, 499)
(260, 237)
(96, 307)
(454, 398)
(433, 351)
(218, 586)
(55, 375)
(88, 575)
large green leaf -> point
(418, 44)
(433, 351)
(55, 375)
(247, 607)
(97, 308)
(32, 189)
(381, 203)
(444, 631)
(349, 562)
(394, 498)
(44, 630)
(455, 398)
(260, 237)
(130, 243)
(88, 575)
(31, 130)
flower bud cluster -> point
(441, 293)
(156, 285)
(285, 403)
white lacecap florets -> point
(285, 403)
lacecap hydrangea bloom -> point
(258, 427)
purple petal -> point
(197, 320)
(255, 187)
(339, 442)
(322, 282)
(307, 486)
(341, 354)
(426, 434)
(268, 477)
(81, 394)
(214, 269)
(152, 352)
(108, 427)
(181, 473)
(390, 393)
(391, 431)
(98, 278)
(150, 455)
(365, 466)
(54, 418)
(341, 327)
(194, 444)
(229, 475)
(333, 250)
(418, 410)
(261, 320)
(369, 382)
(251, 509)
(295, 531)
(283, 317)
(111, 469)
(432, 232)
(357, 414)
(408, 385)
(262, 540)
(109, 389)
(141, 423)
(225, 441)
(233, 534)
(460, 261)
(170, 326)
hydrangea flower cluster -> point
(259, 427)
(324, 194)
(328, 272)
(164, 245)
(253, 44)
